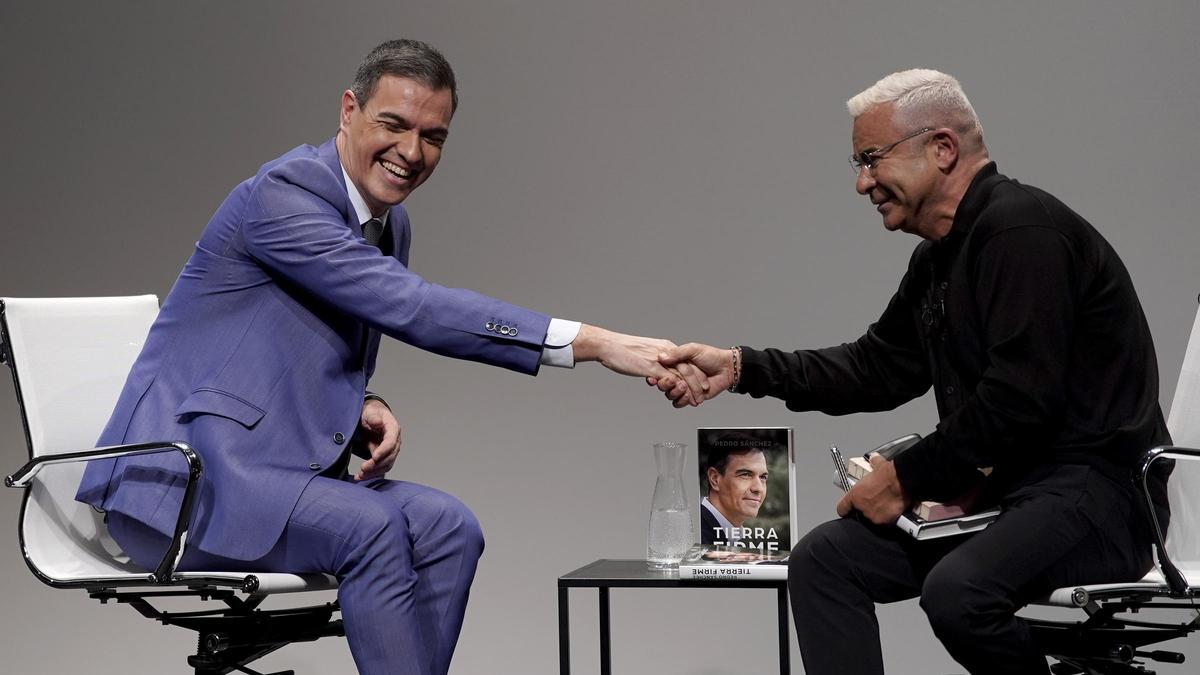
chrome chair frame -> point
(1111, 640)
(229, 637)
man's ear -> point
(945, 148)
(349, 105)
(714, 480)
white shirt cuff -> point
(557, 351)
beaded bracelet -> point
(737, 367)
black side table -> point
(605, 574)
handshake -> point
(688, 375)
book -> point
(731, 563)
(918, 528)
(747, 482)
(927, 519)
(922, 528)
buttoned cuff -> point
(556, 348)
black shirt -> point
(1026, 324)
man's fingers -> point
(365, 469)
(666, 383)
(390, 440)
(680, 402)
(678, 397)
(683, 393)
(683, 388)
(845, 505)
(696, 380)
(680, 353)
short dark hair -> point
(729, 445)
(412, 59)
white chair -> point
(1110, 641)
(69, 359)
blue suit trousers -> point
(404, 554)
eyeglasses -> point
(869, 158)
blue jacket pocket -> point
(217, 402)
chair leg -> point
(227, 643)
(246, 670)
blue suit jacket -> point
(256, 358)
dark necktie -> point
(373, 231)
(373, 234)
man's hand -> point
(878, 495)
(714, 363)
(639, 356)
(380, 433)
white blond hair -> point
(922, 97)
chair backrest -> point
(1183, 489)
(70, 358)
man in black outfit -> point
(1025, 322)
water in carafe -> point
(670, 534)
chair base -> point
(228, 639)
(1105, 644)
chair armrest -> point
(1175, 580)
(165, 570)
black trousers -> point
(1071, 526)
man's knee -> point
(959, 605)
(383, 523)
(439, 518)
(817, 555)
(466, 526)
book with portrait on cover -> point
(747, 483)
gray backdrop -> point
(673, 169)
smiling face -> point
(904, 180)
(392, 143)
(738, 493)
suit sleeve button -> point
(513, 331)
(505, 330)
(339, 438)
(314, 466)
(490, 326)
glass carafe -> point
(670, 534)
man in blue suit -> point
(260, 359)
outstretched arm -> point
(639, 357)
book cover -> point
(726, 562)
(921, 529)
(747, 483)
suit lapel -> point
(327, 152)
(396, 218)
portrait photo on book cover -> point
(744, 496)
